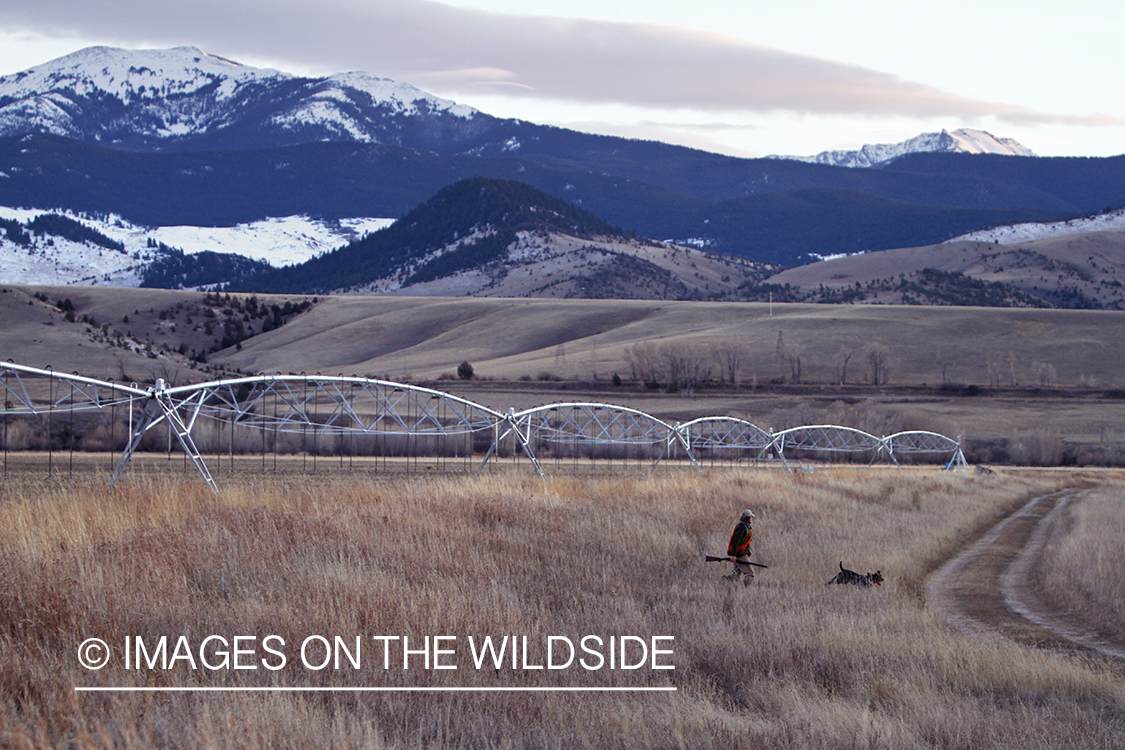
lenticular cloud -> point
(468, 50)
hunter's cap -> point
(747, 513)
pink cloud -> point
(465, 50)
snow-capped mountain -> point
(168, 138)
(962, 141)
(185, 98)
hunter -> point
(739, 548)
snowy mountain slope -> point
(279, 242)
(60, 262)
(964, 141)
(132, 75)
(185, 98)
(55, 260)
(1109, 221)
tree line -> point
(676, 366)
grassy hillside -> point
(1084, 270)
(1031, 384)
(586, 340)
(509, 339)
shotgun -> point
(711, 558)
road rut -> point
(991, 586)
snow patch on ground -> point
(279, 242)
(1111, 221)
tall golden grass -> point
(1082, 569)
(784, 663)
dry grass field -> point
(1050, 381)
(423, 339)
(787, 662)
(589, 340)
(1080, 573)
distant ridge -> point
(182, 138)
(961, 141)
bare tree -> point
(789, 357)
(945, 361)
(685, 363)
(644, 363)
(779, 352)
(997, 362)
(794, 355)
(730, 356)
(847, 351)
(1046, 373)
(878, 356)
(165, 370)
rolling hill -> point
(126, 332)
(487, 237)
(1083, 271)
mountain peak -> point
(162, 99)
(970, 141)
(960, 141)
(127, 74)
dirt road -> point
(991, 586)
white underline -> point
(221, 689)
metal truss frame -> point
(725, 433)
(84, 394)
(354, 405)
(923, 442)
(829, 438)
(328, 405)
(592, 423)
(344, 406)
(836, 439)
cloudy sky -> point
(744, 77)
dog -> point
(855, 579)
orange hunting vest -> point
(738, 545)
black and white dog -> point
(850, 576)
